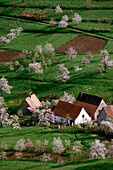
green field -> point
(40, 32)
(83, 165)
(11, 136)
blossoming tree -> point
(62, 74)
(4, 86)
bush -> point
(29, 121)
(12, 109)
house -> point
(105, 113)
(29, 104)
(91, 103)
(73, 113)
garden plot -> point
(83, 44)
(7, 56)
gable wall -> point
(102, 104)
(23, 107)
(80, 119)
(102, 116)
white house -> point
(65, 111)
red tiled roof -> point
(109, 110)
(90, 109)
(64, 108)
(89, 98)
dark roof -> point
(90, 109)
(109, 110)
(88, 98)
(64, 108)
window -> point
(83, 116)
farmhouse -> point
(73, 113)
(105, 113)
(29, 104)
(91, 103)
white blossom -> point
(14, 121)
(63, 24)
(62, 74)
(76, 148)
(3, 112)
(3, 155)
(2, 39)
(57, 146)
(77, 68)
(52, 22)
(58, 9)
(35, 67)
(110, 151)
(71, 53)
(18, 155)
(21, 68)
(11, 35)
(65, 18)
(110, 63)
(46, 104)
(16, 126)
(38, 145)
(67, 97)
(103, 53)
(26, 52)
(4, 85)
(106, 127)
(3, 145)
(46, 157)
(97, 150)
(77, 18)
(7, 40)
(85, 60)
(17, 63)
(105, 61)
(46, 116)
(67, 143)
(46, 142)
(20, 146)
(39, 49)
(49, 47)
(11, 67)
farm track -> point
(69, 28)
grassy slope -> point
(11, 136)
(105, 164)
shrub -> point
(57, 146)
(97, 150)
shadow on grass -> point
(89, 165)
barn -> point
(29, 104)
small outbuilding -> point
(105, 113)
(65, 111)
(29, 104)
(91, 103)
